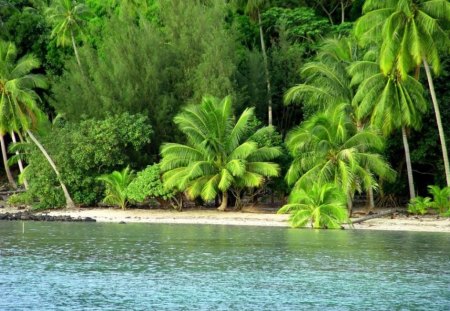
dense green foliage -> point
(113, 75)
(149, 185)
(216, 157)
(84, 151)
(321, 205)
(116, 187)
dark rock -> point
(122, 223)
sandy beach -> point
(400, 223)
(213, 217)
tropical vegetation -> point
(226, 103)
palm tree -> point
(322, 205)
(116, 187)
(18, 103)
(327, 82)
(216, 156)
(67, 17)
(329, 148)
(411, 33)
(390, 102)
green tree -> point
(412, 32)
(327, 81)
(116, 187)
(18, 105)
(329, 148)
(67, 17)
(321, 205)
(390, 103)
(148, 185)
(253, 8)
(215, 157)
(84, 151)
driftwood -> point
(380, 214)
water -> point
(73, 266)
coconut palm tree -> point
(411, 33)
(327, 81)
(67, 18)
(321, 205)
(329, 148)
(390, 102)
(116, 187)
(216, 155)
(18, 102)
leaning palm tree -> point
(329, 148)
(411, 33)
(321, 205)
(67, 18)
(390, 102)
(18, 102)
(216, 156)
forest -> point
(308, 105)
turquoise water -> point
(74, 266)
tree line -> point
(219, 100)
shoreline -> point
(231, 218)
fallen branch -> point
(380, 214)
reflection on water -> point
(73, 266)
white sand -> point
(213, 217)
(402, 223)
(174, 217)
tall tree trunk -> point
(224, 203)
(69, 201)
(25, 182)
(266, 69)
(349, 204)
(342, 12)
(371, 198)
(75, 50)
(412, 193)
(438, 121)
(11, 181)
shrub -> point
(116, 187)
(440, 198)
(24, 198)
(419, 205)
(324, 206)
(82, 152)
(148, 185)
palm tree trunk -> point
(69, 201)
(75, 50)
(371, 198)
(342, 12)
(438, 121)
(224, 203)
(25, 182)
(5, 162)
(266, 69)
(349, 204)
(412, 193)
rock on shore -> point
(26, 215)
